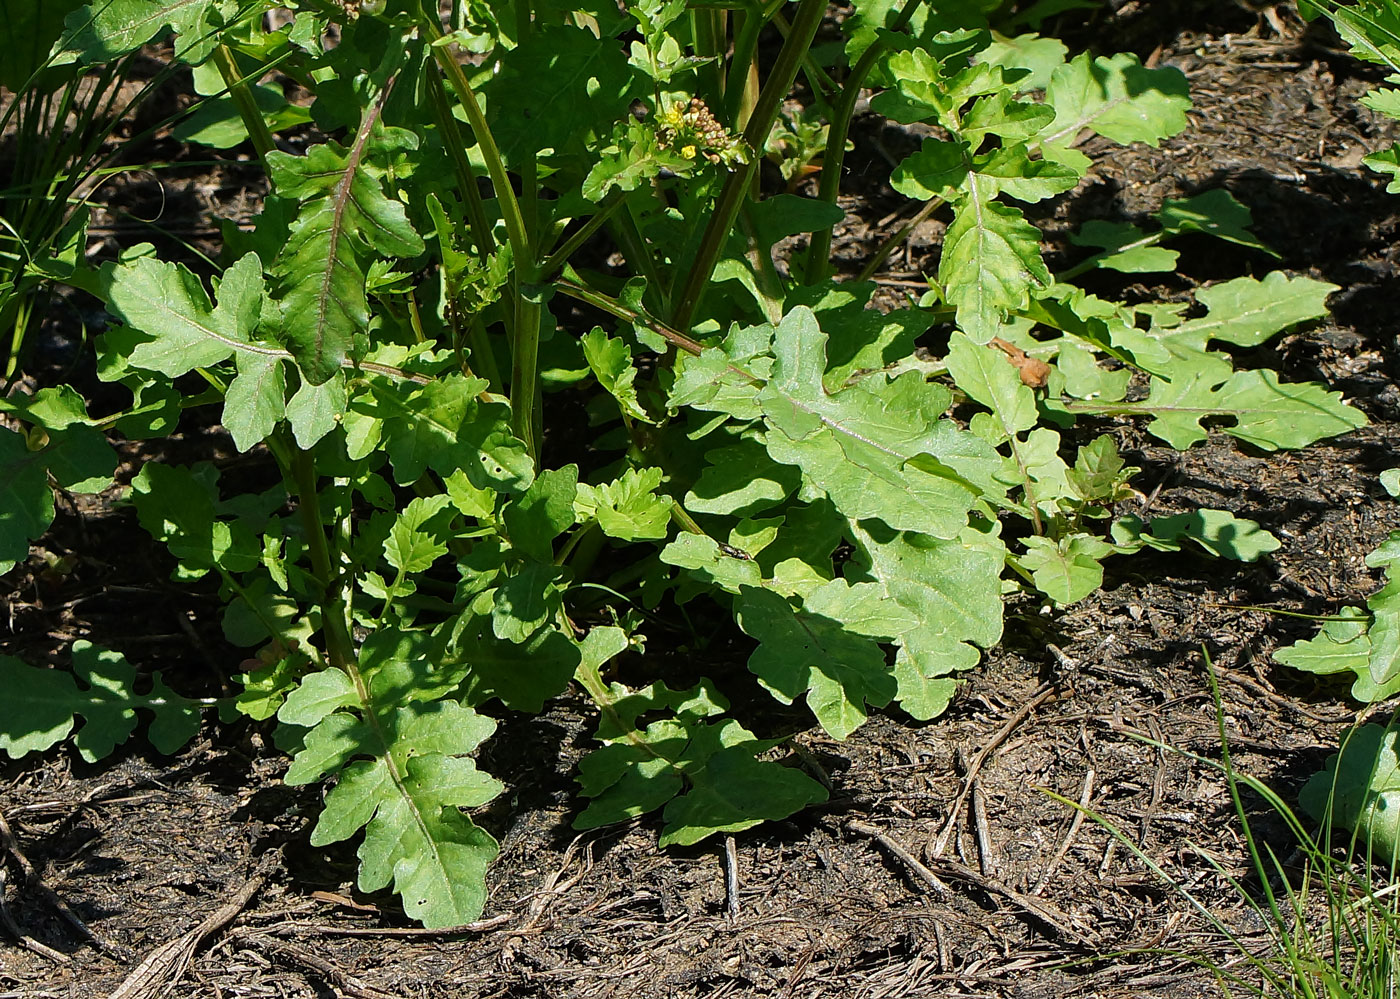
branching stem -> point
(736, 187)
(819, 250)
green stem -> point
(889, 246)
(17, 338)
(736, 188)
(524, 388)
(560, 257)
(524, 380)
(768, 283)
(708, 31)
(819, 250)
(335, 628)
(461, 165)
(573, 541)
(751, 24)
(1089, 263)
(683, 518)
(516, 231)
(822, 84)
(615, 308)
(243, 100)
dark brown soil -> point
(145, 848)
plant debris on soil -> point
(940, 866)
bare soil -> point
(143, 848)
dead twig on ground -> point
(918, 869)
(986, 859)
(1085, 796)
(163, 966)
(1042, 694)
(291, 953)
(7, 919)
(731, 879)
(1052, 917)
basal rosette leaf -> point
(1269, 414)
(951, 588)
(741, 480)
(1359, 790)
(1341, 645)
(990, 263)
(343, 216)
(1215, 212)
(61, 446)
(1219, 532)
(497, 666)
(526, 600)
(880, 448)
(177, 506)
(1115, 96)
(40, 706)
(805, 655)
(26, 500)
(182, 331)
(106, 29)
(864, 337)
(1248, 312)
(703, 770)
(1382, 676)
(446, 426)
(1067, 570)
(400, 753)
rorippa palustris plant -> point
(393, 327)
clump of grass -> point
(1331, 916)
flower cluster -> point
(692, 130)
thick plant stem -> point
(243, 100)
(511, 215)
(340, 648)
(736, 188)
(742, 64)
(819, 250)
(524, 388)
(461, 165)
(524, 377)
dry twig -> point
(1042, 694)
(163, 966)
(919, 870)
(25, 940)
(279, 949)
(1040, 910)
(731, 879)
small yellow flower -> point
(688, 152)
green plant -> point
(71, 79)
(1357, 788)
(1331, 925)
(402, 328)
